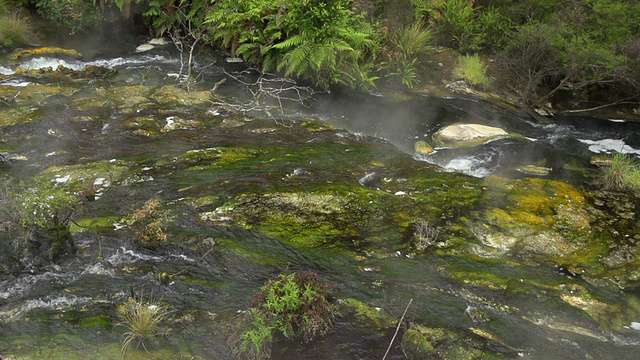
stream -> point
(203, 158)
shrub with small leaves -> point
(295, 305)
(148, 225)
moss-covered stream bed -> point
(498, 267)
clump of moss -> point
(415, 345)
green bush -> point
(472, 70)
(461, 25)
(295, 305)
(325, 42)
(78, 15)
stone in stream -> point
(422, 148)
(460, 135)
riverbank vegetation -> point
(621, 173)
(15, 27)
(542, 53)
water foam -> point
(12, 289)
(609, 145)
(50, 303)
(5, 71)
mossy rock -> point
(422, 148)
(175, 96)
(45, 51)
(369, 316)
(415, 345)
(533, 216)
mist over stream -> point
(214, 167)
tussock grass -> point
(472, 70)
(622, 173)
(15, 29)
(142, 320)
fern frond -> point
(293, 41)
(296, 61)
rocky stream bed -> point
(497, 267)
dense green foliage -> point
(326, 42)
(585, 49)
(472, 70)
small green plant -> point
(295, 305)
(472, 70)
(255, 340)
(425, 235)
(622, 173)
(142, 320)
(148, 225)
(406, 51)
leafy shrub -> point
(295, 305)
(142, 320)
(622, 173)
(462, 26)
(530, 61)
(148, 225)
(472, 70)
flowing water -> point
(69, 305)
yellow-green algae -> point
(45, 51)
(416, 345)
(371, 317)
(217, 157)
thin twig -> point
(397, 329)
(192, 265)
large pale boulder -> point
(468, 134)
